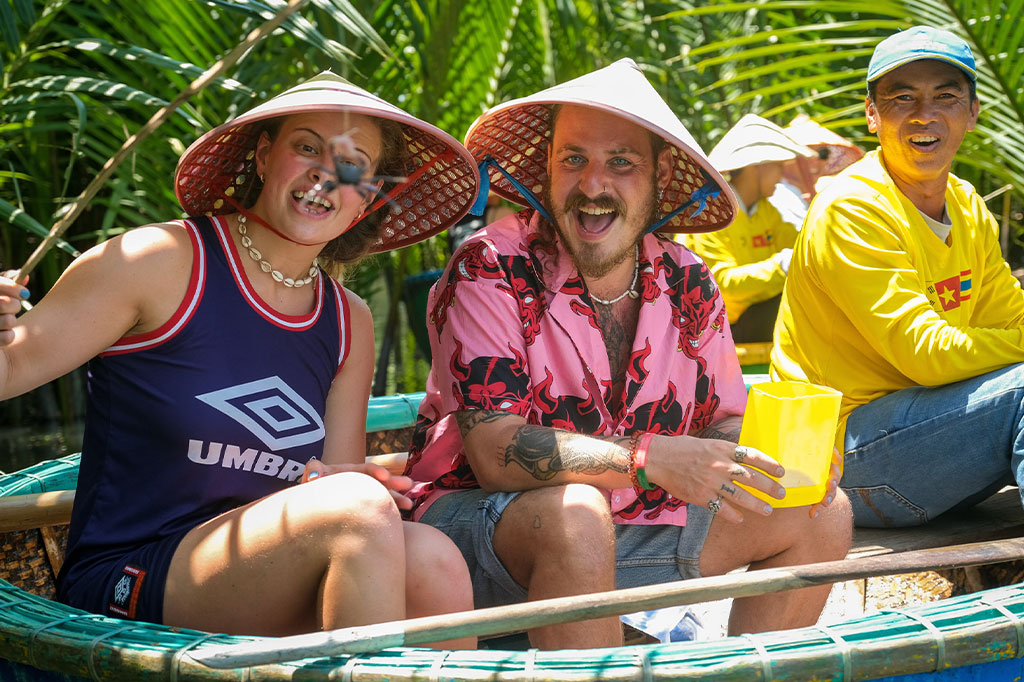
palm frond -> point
(812, 57)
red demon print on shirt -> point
(522, 285)
(694, 297)
(568, 412)
(474, 261)
(648, 286)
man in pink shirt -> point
(584, 401)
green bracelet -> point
(640, 461)
(641, 477)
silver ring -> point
(740, 454)
(715, 506)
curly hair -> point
(348, 248)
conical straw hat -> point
(517, 136)
(441, 178)
(755, 140)
(841, 152)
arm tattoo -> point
(544, 452)
(468, 419)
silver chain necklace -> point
(265, 266)
(631, 291)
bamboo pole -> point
(200, 83)
(24, 512)
(496, 620)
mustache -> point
(577, 200)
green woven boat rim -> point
(46, 476)
(47, 635)
(972, 629)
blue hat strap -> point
(709, 190)
(480, 205)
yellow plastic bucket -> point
(795, 423)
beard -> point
(589, 258)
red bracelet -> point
(634, 440)
(640, 462)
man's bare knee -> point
(563, 514)
(569, 524)
(788, 537)
(836, 530)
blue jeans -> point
(918, 452)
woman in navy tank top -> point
(223, 484)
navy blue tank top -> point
(221, 405)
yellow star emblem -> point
(947, 297)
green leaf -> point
(83, 118)
(18, 218)
(8, 27)
(25, 11)
(144, 56)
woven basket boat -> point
(973, 637)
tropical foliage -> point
(782, 57)
(79, 77)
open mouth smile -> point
(314, 204)
(594, 220)
(924, 142)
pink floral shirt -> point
(512, 328)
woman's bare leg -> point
(325, 554)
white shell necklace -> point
(631, 291)
(265, 266)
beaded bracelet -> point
(640, 461)
(634, 440)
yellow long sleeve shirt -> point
(876, 302)
(740, 257)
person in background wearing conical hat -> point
(226, 367)
(580, 424)
(900, 298)
(749, 259)
(803, 177)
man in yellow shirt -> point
(749, 259)
(898, 296)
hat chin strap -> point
(252, 216)
(709, 190)
(700, 196)
(480, 205)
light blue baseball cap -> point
(921, 42)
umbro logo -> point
(126, 592)
(271, 410)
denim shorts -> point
(645, 554)
(129, 586)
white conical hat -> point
(441, 177)
(752, 141)
(517, 135)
